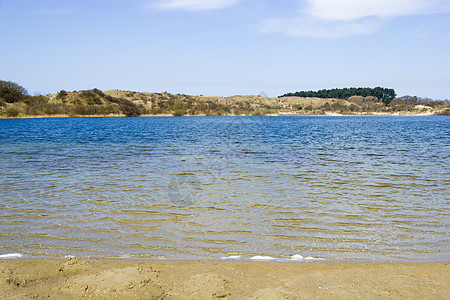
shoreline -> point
(254, 258)
(328, 114)
(73, 278)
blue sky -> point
(226, 47)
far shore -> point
(75, 278)
(268, 115)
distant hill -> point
(95, 102)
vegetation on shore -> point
(16, 102)
(384, 94)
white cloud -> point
(356, 9)
(335, 19)
(314, 28)
(195, 5)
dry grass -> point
(95, 102)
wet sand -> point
(131, 279)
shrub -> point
(178, 108)
(354, 108)
(258, 113)
(178, 113)
(127, 107)
(357, 99)
(12, 111)
(99, 92)
(36, 100)
(54, 109)
(130, 109)
(445, 112)
(91, 96)
(94, 101)
(370, 99)
(62, 95)
(12, 92)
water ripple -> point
(369, 188)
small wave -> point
(298, 257)
(234, 257)
(259, 257)
(11, 256)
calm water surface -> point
(372, 188)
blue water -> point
(347, 188)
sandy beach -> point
(76, 278)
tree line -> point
(386, 95)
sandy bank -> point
(129, 279)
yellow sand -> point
(130, 279)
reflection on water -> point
(333, 187)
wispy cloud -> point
(196, 5)
(355, 9)
(335, 19)
(314, 28)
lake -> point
(337, 188)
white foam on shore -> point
(298, 257)
(231, 257)
(11, 256)
(313, 258)
(259, 257)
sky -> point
(226, 47)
